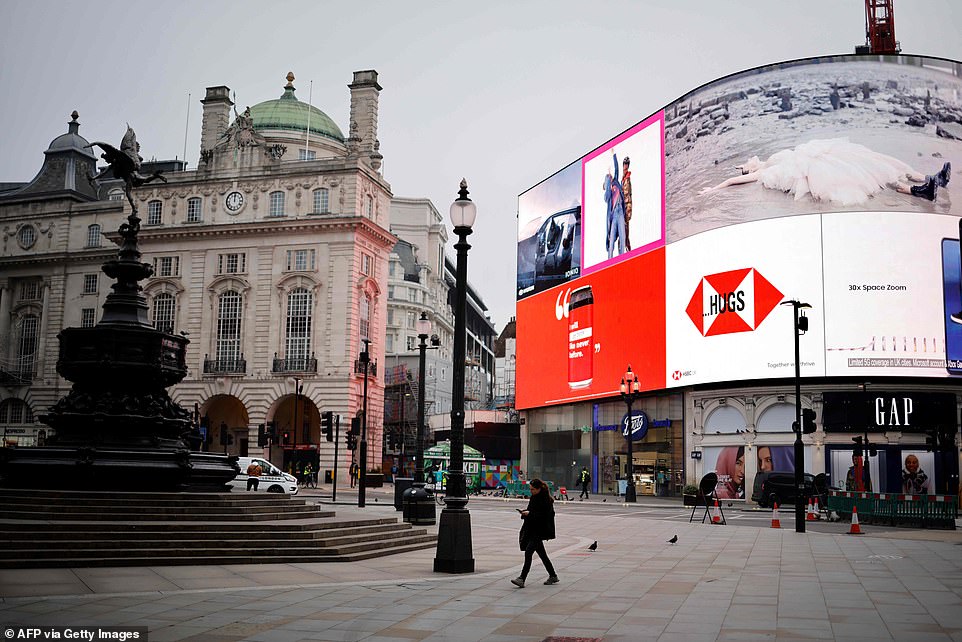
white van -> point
(272, 479)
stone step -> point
(189, 548)
(59, 515)
(45, 561)
(153, 499)
(170, 509)
(174, 533)
(324, 520)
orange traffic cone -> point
(816, 512)
(810, 513)
(716, 513)
(776, 523)
(855, 530)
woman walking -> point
(538, 526)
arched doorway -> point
(298, 424)
(224, 425)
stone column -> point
(6, 295)
(42, 333)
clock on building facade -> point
(234, 202)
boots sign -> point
(636, 424)
(870, 411)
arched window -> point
(229, 313)
(115, 195)
(27, 345)
(93, 235)
(724, 419)
(15, 411)
(365, 317)
(164, 312)
(322, 203)
(194, 210)
(277, 204)
(776, 418)
(300, 305)
(155, 210)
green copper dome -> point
(287, 112)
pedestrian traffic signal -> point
(808, 421)
(287, 438)
(328, 417)
(261, 436)
(858, 446)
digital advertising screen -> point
(832, 181)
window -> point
(277, 204)
(154, 211)
(194, 210)
(390, 292)
(370, 207)
(164, 312)
(88, 317)
(412, 320)
(167, 266)
(90, 283)
(300, 305)
(30, 290)
(365, 318)
(115, 195)
(27, 346)
(231, 263)
(15, 411)
(300, 260)
(389, 343)
(391, 267)
(322, 204)
(93, 235)
(27, 236)
(390, 316)
(228, 326)
(412, 295)
(412, 343)
(306, 154)
(367, 264)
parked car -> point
(779, 487)
(272, 479)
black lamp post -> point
(630, 389)
(800, 325)
(362, 482)
(418, 505)
(454, 553)
(297, 398)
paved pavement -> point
(719, 582)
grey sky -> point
(502, 92)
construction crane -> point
(879, 29)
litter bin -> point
(328, 477)
(401, 484)
(419, 506)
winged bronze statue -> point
(125, 164)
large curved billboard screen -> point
(825, 180)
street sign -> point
(638, 422)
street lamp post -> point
(362, 482)
(630, 389)
(297, 398)
(800, 325)
(454, 553)
(418, 506)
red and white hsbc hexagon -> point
(732, 301)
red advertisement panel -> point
(575, 341)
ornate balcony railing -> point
(225, 366)
(295, 364)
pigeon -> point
(604, 500)
(673, 539)
(594, 546)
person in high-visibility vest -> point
(584, 478)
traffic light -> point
(328, 418)
(287, 437)
(808, 420)
(261, 436)
(858, 446)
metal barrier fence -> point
(925, 511)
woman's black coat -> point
(539, 524)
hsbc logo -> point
(734, 301)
